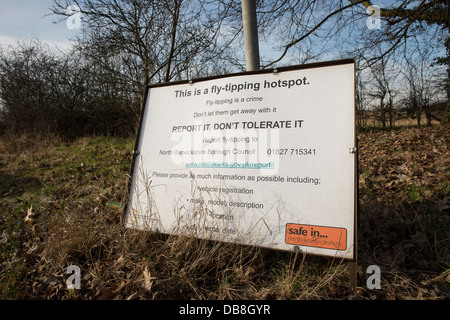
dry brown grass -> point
(68, 193)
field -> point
(62, 205)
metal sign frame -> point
(133, 169)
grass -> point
(62, 205)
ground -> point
(62, 205)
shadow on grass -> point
(14, 186)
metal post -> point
(250, 34)
(353, 274)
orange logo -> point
(316, 236)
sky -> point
(26, 20)
(29, 19)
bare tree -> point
(380, 91)
(360, 97)
(161, 38)
(156, 41)
(27, 75)
(384, 78)
(420, 74)
(407, 20)
(64, 93)
(321, 28)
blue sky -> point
(28, 19)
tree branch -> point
(317, 26)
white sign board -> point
(262, 158)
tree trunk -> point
(382, 111)
(419, 115)
(391, 112)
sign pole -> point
(353, 265)
(250, 35)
